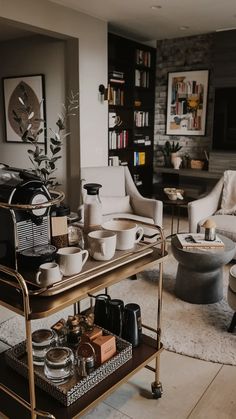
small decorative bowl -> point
(174, 193)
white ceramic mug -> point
(102, 244)
(71, 260)
(48, 274)
(127, 232)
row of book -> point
(116, 96)
(118, 140)
(139, 158)
(143, 58)
(141, 118)
(141, 78)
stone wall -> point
(182, 54)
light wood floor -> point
(193, 389)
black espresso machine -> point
(24, 233)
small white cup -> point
(126, 231)
(71, 260)
(102, 244)
(48, 274)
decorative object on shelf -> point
(13, 88)
(176, 160)
(27, 121)
(174, 194)
(197, 164)
(210, 229)
(169, 149)
(187, 102)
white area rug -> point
(199, 331)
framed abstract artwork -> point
(187, 102)
(12, 89)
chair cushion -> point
(111, 204)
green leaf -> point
(56, 150)
(55, 142)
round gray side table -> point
(199, 277)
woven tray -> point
(76, 386)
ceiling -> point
(138, 19)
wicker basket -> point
(197, 164)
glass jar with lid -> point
(42, 340)
(59, 364)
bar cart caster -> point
(157, 390)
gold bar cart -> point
(20, 395)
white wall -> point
(92, 34)
(32, 56)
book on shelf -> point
(116, 74)
(198, 240)
(113, 80)
(139, 158)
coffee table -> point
(199, 277)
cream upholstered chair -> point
(220, 198)
(119, 195)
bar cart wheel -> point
(156, 390)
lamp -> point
(105, 92)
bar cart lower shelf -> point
(141, 356)
(15, 390)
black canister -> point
(132, 324)
(116, 308)
(101, 310)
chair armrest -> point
(146, 207)
(204, 207)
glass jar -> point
(59, 364)
(59, 226)
(42, 340)
(92, 207)
(85, 358)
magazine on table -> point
(198, 240)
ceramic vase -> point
(176, 160)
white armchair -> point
(201, 209)
(119, 195)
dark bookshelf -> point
(131, 83)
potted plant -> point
(169, 151)
(44, 164)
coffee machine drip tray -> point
(35, 256)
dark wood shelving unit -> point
(138, 104)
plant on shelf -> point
(44, 163)
(168, 149)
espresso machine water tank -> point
(22, 230)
